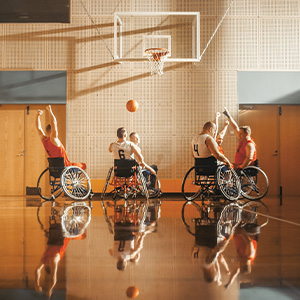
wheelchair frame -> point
(72, 180)
(130, 181)
(209, 180)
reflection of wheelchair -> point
(71, 219)
(208, 179)
(254, 183)
(127, 180)
(57, 179)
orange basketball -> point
(132, 105)
(132, 292)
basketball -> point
(132, 292)
(132, 105)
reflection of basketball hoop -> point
(157, 57)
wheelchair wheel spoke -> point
(190, 189)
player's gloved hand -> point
(226, 113)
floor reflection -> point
(172, 250)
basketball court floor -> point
(166, 268)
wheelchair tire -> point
(142, 183)
(189, 213)
(75, 219)
(106, 183)
(44, 187)
(254, 183)
(189, 190)
(76, 183)
(228, 183)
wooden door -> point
(290, 149)
(12, 150)
(264, 123)
(22, 155)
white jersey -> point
(122, 150)
(200, 149)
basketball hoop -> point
(156, 57)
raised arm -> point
(218, 115)
(39, 125)
(213, 148)
(223, 131)
(232, 122)
(53, 123)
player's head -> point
(209, 273)
(121, 133)
(245, 131)
(210, 128)
(121, 264)
(48, 269)
(48, 130)
(134, 137)
(219, 139)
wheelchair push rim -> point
(189, 189)
(76, 183)
(48, 189)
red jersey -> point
(221, 150)
(241, 152)
(54, 151)
(245, 248)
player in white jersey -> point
(204, 145)
(123, 149)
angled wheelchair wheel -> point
(142, 183)
(189, 189)
(106, 183)
(49, 187)
(190, 212)
(76, 183)
(254, 183)
(228, 183)
(155, 192)
(75, 219)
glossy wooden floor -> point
(166, 268)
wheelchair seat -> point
(206, 166)
(124, 167)
(56, 166)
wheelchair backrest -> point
(56, 166)
(124, 167)
(206, 166)
(206, 235)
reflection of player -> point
(50, 140)
(128, 243)
(246, 247)
(55, 250)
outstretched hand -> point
(226, 113)
(218, 115)
(48, 107)
(39, 112)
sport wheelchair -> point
(57, 178)
(207, 179)
(128, 180)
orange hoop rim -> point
(156, 53)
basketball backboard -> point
(179, 32)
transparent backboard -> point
(179, 32)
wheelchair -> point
(254, 182)
(128, 180)
(207, 179)
(57, 178)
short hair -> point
(48, 128)
(208, 125)
(209, 274)
(121, 265)
(121, 132)
(48, 269)
(131, 134)
(246, 129)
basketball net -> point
(156, 57)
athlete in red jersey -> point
(246, 151)
(50, 140)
